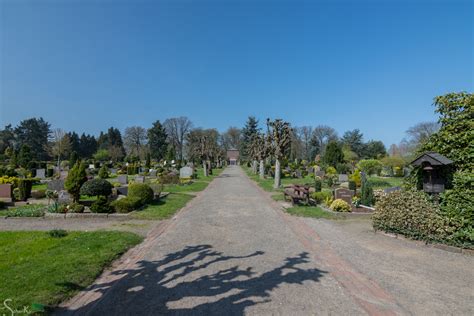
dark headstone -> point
(344, 194)
(56, 185)
(122, 190)
(6, 192)
(320, 173)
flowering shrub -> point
(339, 205)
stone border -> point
(85, 215)
(469, 252)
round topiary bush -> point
(127, 204)
(102, 205)
(339, 205)
(142, 191)
(96, 187)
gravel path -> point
(232, 251)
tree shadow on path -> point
(196, 280)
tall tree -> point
(248, 132)
(355, 140)
(374, 149)
(279, 133)
(305, 133)
(177, 129)
(157, 141)
(135, 139)
(60, 145)
(333, 154)
(7, 138)
(231, 138)
(202, 146)
(87, 146)
(34, 132)
(322, 135)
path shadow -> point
(186, 282)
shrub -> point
(342, 168)
(57, 233)
(75, 179)
(328, 201)
(24, 186)
(339, 205)
(75, 208)
(2, 205)
(104, 172)
(142, 191)
(409, 213)
(331, 171)
(127, 204)
(101, 205)
(169, 178)
(33, 210)
(320, 197)
(367, 194)
(352, 185)
(317, 184)
(96, 187)
(38, 194)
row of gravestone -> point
(346, 194)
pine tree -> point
(248, 133)
(75, 179)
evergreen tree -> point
(249, 131)
(333, 154)
(73, 158)
(25, 156)
(157, 141)
(34, 133)
(76, 178)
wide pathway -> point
(231, 251)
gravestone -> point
(139, 179)
(56, 185)
(113, 171)
(344, 194)
(122, 179)
(64, 197)
(6, 192)
(122, 190)
(320, 173)
(343, 178)
(298, 174)
(363, 176)
(63, 174)
(392, 189)
(91, 166)
(185, 172)
(41, 173)
(152, 173)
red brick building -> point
(232, 156)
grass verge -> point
(37, 268)
(311, 211)
(163, 208)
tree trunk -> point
(277, 182)
(262, 169)
(254, 166)
(204, 168)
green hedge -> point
(127, 204)
(142, 191)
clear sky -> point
(373, 65)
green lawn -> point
(196, 186)
(267, 184)
(311, 211)
(37, 268)
(385, 182)
(164, 208)
(40, 186)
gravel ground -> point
(424, 280)
(140, 227)
(233, 251)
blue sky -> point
(372, 65)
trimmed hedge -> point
(409, 213)
(127, 205)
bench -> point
(297, 193)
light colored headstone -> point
(113, 171)
(392, 189)
(41, 173)
(320, 173)
(63, 174)
(185, 172)
(64, 197)
(139, 179)
(343, 178)
(91, 166)
(122, 179)
(344, 194)
(153, 173)
(56, 185)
